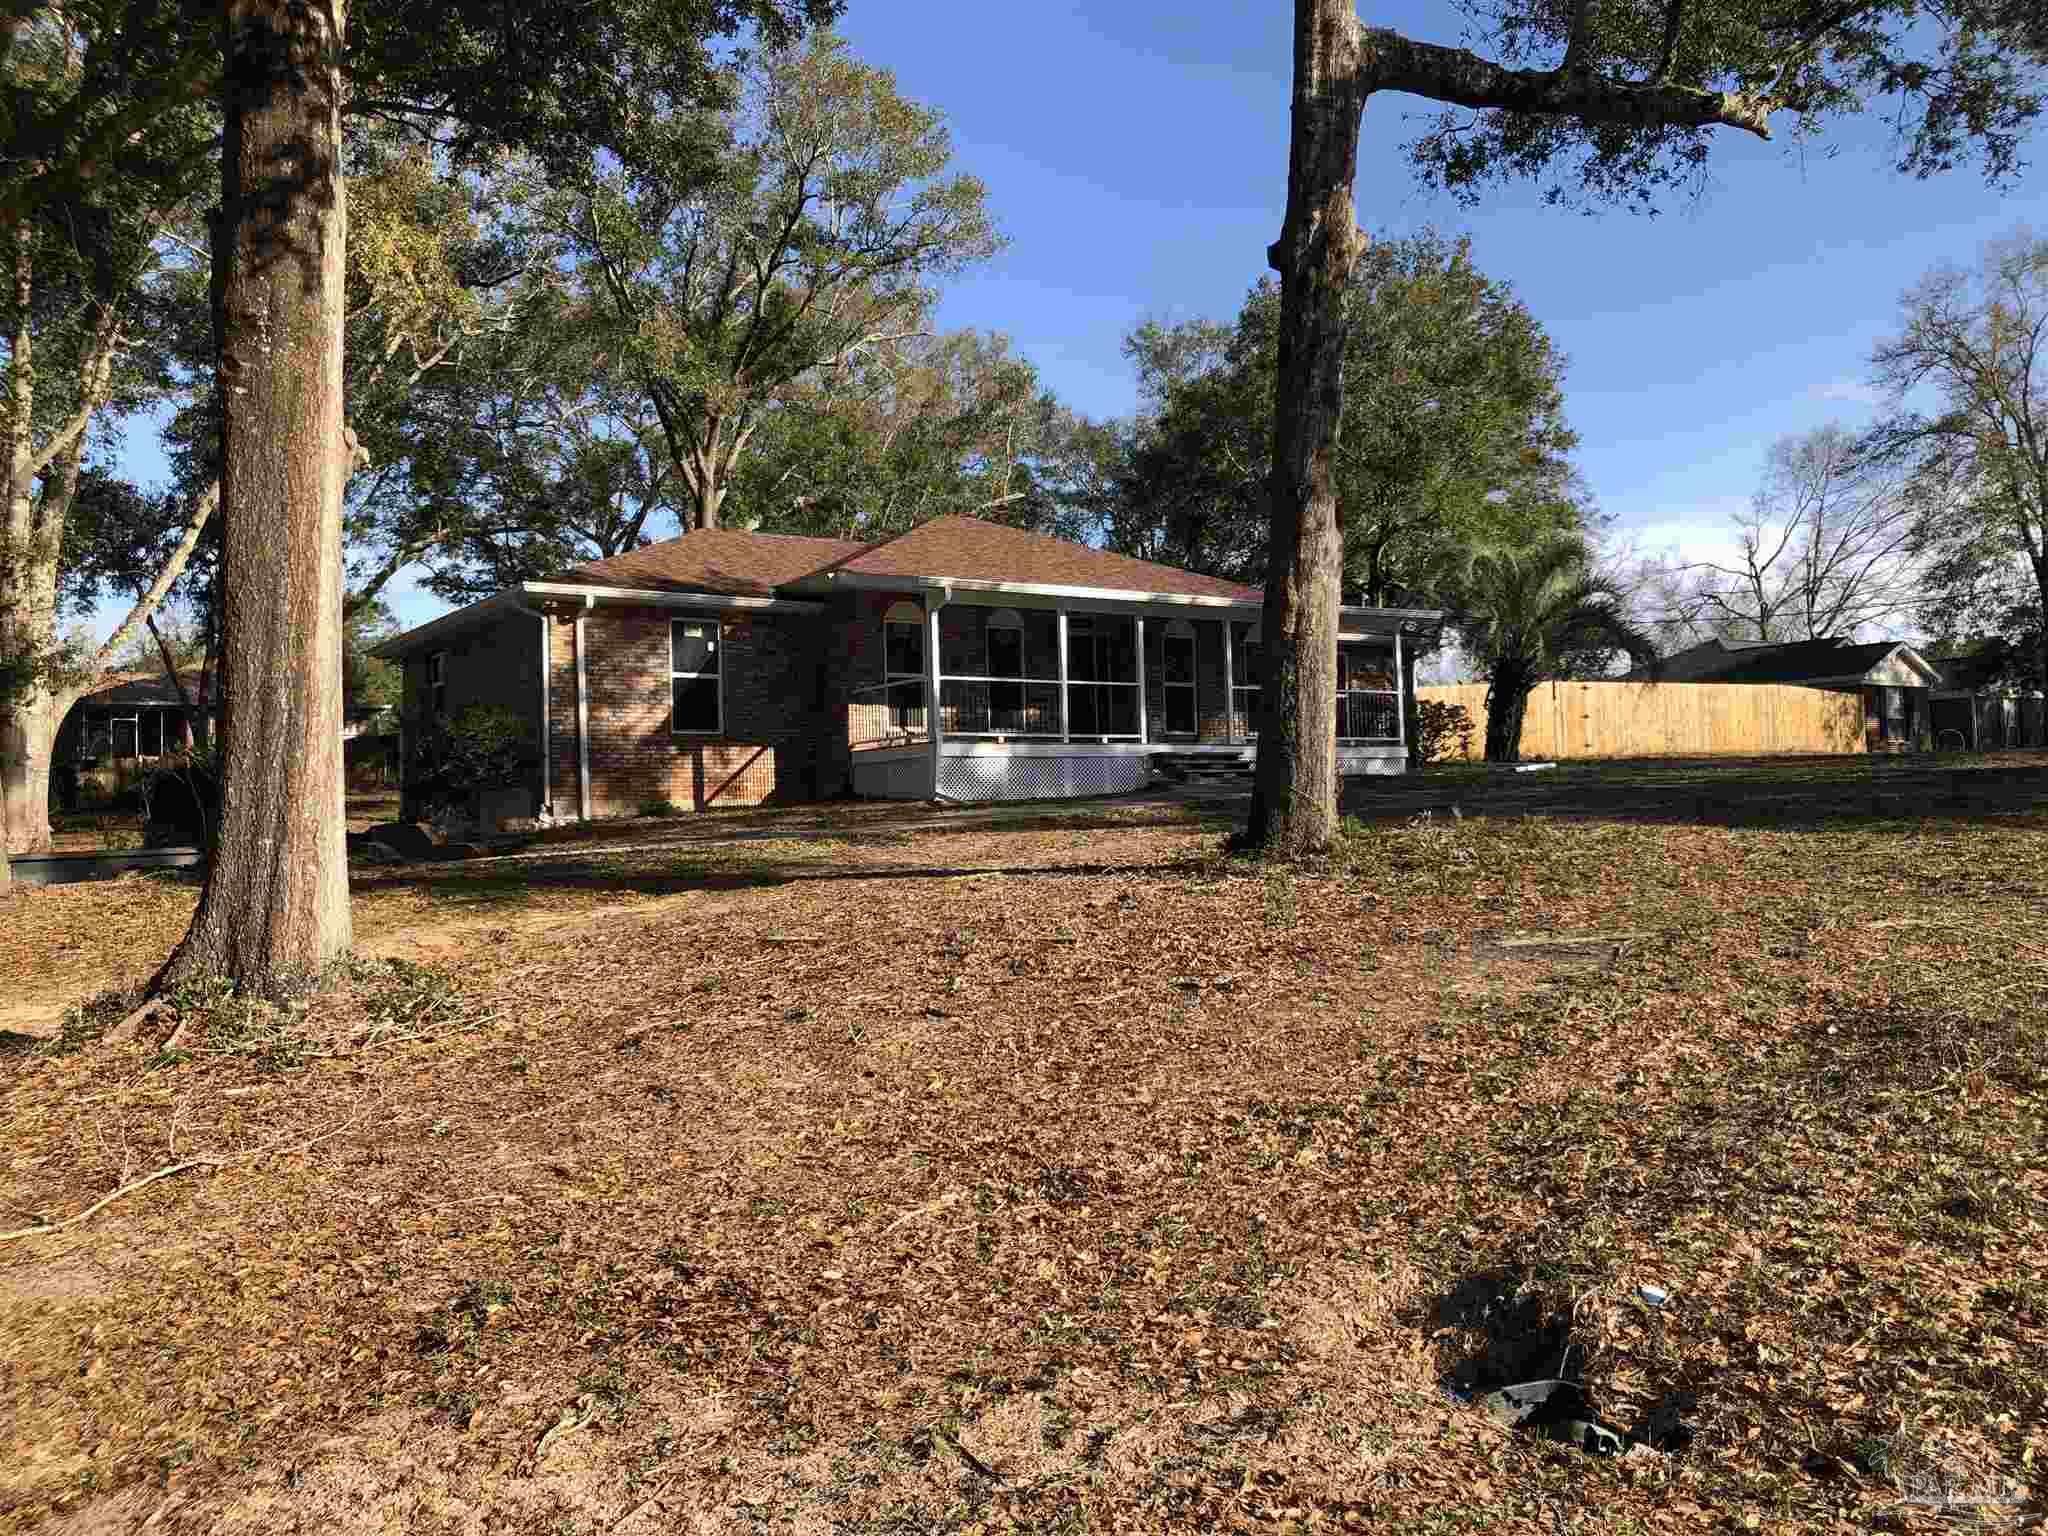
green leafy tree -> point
(1606, 103)
(84, 347)
(561, 80)
(831, 211)
(369, 683)
(1453, 432)
(1532, 613)
(909, 429)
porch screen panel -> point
(1248, 667)
(124, 737)
(1102, 699)
(149, 734)
(1177, 679)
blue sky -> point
(1135, 155)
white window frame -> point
(718, 654)
(135, 720)
(437, 685)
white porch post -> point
(1400, 692)
(1144, 724)
(1066, 718)
(1229, 682)
(933, 602)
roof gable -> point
(728, 561)
(972, 549)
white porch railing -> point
(1368, 714)
(1029, 708)
(1363, 714)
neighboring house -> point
(1895, 681)
(128, 720)
(1981, 707)
(734, 668)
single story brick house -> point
(962, 660)
(1895, 681)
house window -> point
(697, 700)
(437, 683)
(126, 729)
(149, 734)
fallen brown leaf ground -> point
(1069, 1176)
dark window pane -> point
(1179, 659)
(905, 647)
(151, 734)
(124, 738)
(696, 647)
(1006, 653)
(1080, 653)
(696, 704)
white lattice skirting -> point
(1040, 777)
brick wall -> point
(778, 705)
(853, 658)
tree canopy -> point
(1453, 433)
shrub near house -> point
(456, 767)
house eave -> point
(1374, 621)
(648, 597)
(528, 593)
(399, 646)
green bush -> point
(660, 808)
(486, 746)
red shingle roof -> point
(729, 561)
(969, 549)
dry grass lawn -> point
(861, 1175)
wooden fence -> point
(1568, 720)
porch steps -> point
(1199, 768)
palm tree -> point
(1534, 612)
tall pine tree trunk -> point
(274, 911)
(1294, 798)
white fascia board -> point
(1045, 594)
(642, 597)
(400, 646)
(1033, 593)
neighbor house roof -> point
(971, 549)
(1794, 661)
(724, 560)
(132, 689)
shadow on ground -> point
(1770, 792)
